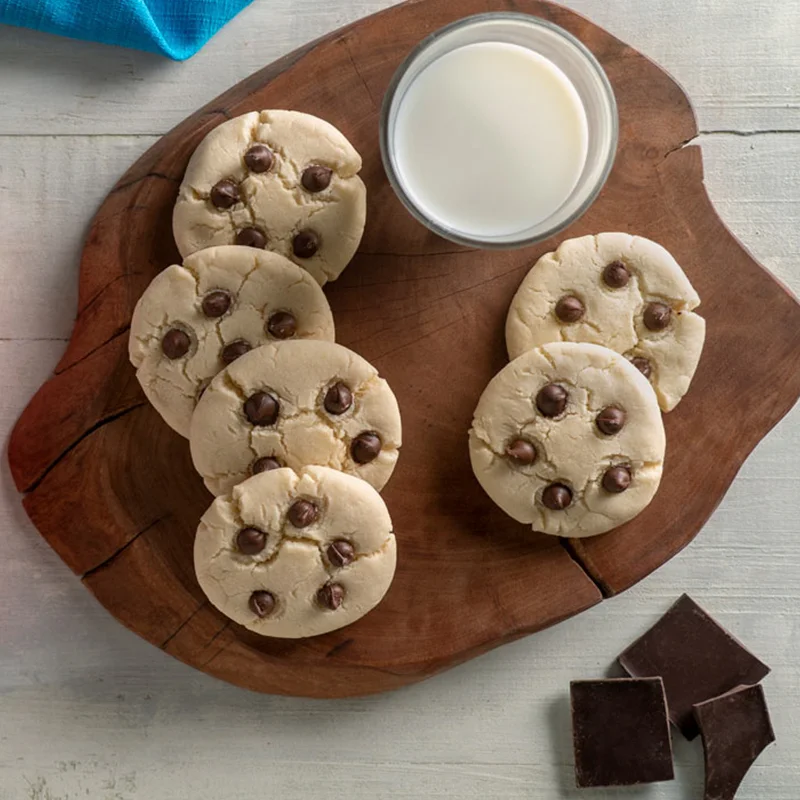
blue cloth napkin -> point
(176, 28)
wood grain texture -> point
(403, 303)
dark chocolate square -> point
(695, 657)
(620, 732)
(735, 728)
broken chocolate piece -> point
(736, 728)
(696, 658)
(620, 732)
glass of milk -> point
(498, 130)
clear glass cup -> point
(574, 60)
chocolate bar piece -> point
(696, 658)
(735, 728)
(620, 732)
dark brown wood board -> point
(112, 489)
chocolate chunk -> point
(366, 447)
(251, 541)
(552, 400)
(302, 513)
(696, 657)
(341, 553)
(736, 729)
(259, 158)
(265, 464)
(252, 237)
(331, 596)
(656, 316)
(610, 420)
(262, 603)
(261, 409)
(305, 244)
(643, 365)
(616, 275)
(616, 479)
(224, 194)
(216, 303)
(282, 325)
(233, 350)
(316, 178)
(569, 308)
(556, 496)
(620, 732)
(175, 344)
(338, 398)
(521, 451)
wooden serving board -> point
(112, 488)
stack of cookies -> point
(603, 337)
(294, 434)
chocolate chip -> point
(643, 365)
(264, 464)
(331, 595)
(341, 553)
(233, 350)
(365, 447)
(338, 398)
(262, 603)
(556, 496)
(216, 303)
(261, 409)
(610, 420)
(569, 308)
(175, 343)
(552, 400)
(259, 158)
(252, 237)
(616, 275)
(521, 451)
(305, 244)
(656, 316)
(616, 479)
(251, 541)
(224, 194)
(316, 178)
(282, 325)
(302, 513)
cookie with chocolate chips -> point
(568, 438)
(296, 402)
(277, 180)
(196, 318)
(617, 290)
(294, 554)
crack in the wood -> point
(602, 586)
(163, 645)
(115, 335)
(337, 648)
(97, 425)
(106, 562)
(213, 639)
(358, 72)
(120, 186)
(96, 296)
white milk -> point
(490, 139)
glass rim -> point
(402, 70)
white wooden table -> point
(89, 710)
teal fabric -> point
(175, 28)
